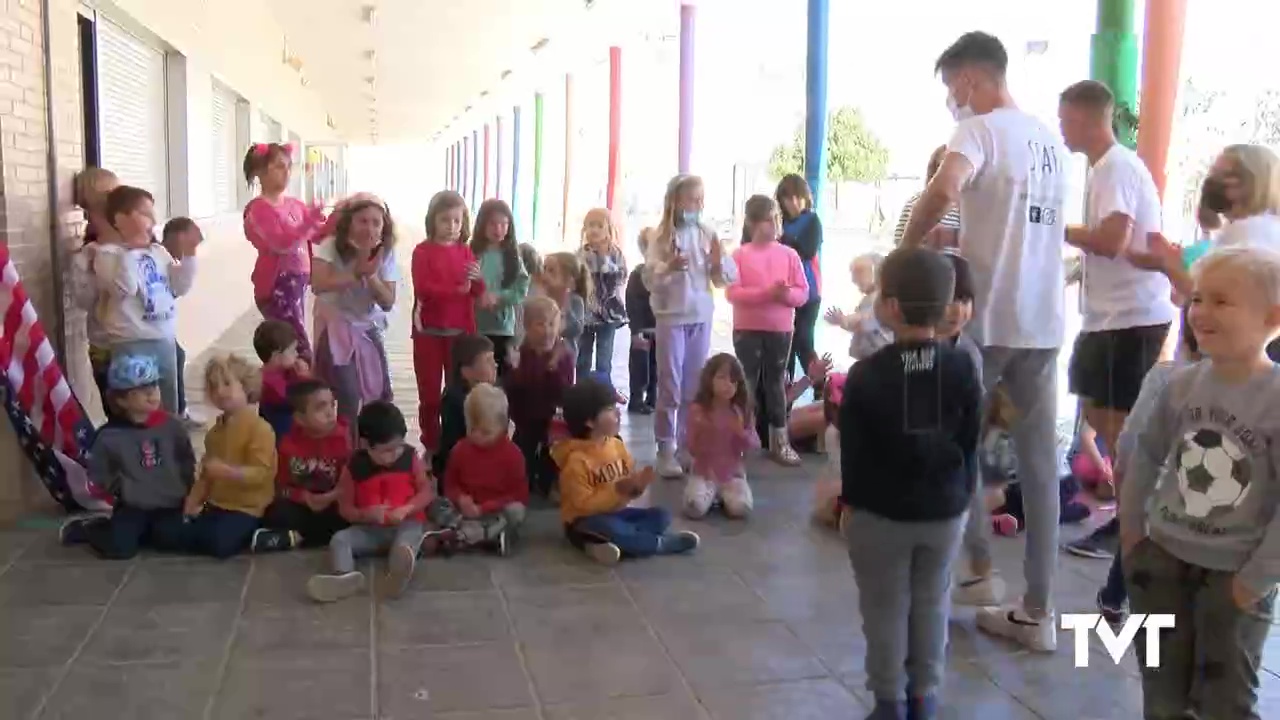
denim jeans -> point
(597, 344)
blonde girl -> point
(602, 255)
(91, 188)
(685, 261)
(565, 279)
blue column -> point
(815, 122)
(515, 169)
(475, 171)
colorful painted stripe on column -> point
(497, 160)
(466, 165)
(515, 167)
(484, 191)
(815, 123)
(538, 112)
(568, 155)
(1161, 62)
(475, 171)
(687, 37)
(615, 126)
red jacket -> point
(493, 476)
(366, 485)
(311, 464)
(439, 272)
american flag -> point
(49, 421)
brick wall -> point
(28, 213)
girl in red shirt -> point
(446, 284)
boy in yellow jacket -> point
(598, 479)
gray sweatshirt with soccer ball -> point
(1204, 476)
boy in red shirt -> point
(446, 284)
(486, 479)
(311, 457)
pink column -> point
(615, 125)
(485, 195)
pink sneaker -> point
(1005, 525)
(1088, 472)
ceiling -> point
(405, 71)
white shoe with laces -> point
(667, 465)
(1013, 623)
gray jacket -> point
(146, 467)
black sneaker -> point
(267, 540)
(440, 542)
(1113, 615)
(73, 529)
(1096, 545)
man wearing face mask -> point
(1007, 172)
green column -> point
(537, 158)
(1114, 61)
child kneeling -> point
(721, 431)
(909, 425)
(485, 479)
(384, 493)
(598, 480)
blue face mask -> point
(689, 217)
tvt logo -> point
(1116, 645)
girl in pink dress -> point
(282, 229)
(721, 431)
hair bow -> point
(835, 387)
(288, 148)
(261, 148)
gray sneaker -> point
(332, 588)
(400, 563)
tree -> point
(853, 151)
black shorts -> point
(1107, 366)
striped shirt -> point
(951, 220)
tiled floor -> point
(760, 624)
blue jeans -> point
(221, 533)
(1113, 593)
(597, 342)
(130, 529)
(636, 531)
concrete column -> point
(1161, 63)
(687, 46)
(537, 158)
(515, 169)
(815, 122)
(1114, 60)
(615, 126)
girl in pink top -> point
(721, 431)
(770, 286)
(282, 229)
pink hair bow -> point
(288, 147)
(261, 148)
(835, 387)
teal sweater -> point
(500, 320)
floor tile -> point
(138, 691)
(713, 654)
(676, 706)
(22, 690)
(442, 618)
(303, 687)
(719, 595)
(47, 636)
(803, 700)
(61, 584)
(162, 633)
(416, 682)
(551, 615)
(175, 582)
(458, 573)
(586, 668)
(282, 579)
(275, 631)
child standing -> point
(868, 334)
(486, 478)
(599, 480)
(384, 493)
(566, 281)
(447, 280)
(602, 258)
(504, 275)
(91, 188)
(312, 456)
(536, 387)
(144, 458)
(721, 430)
(276, 344)
(179, 234)
(355, 277)
(685, 261)
(473, 362)
(770, 286)
(1198, 500)
(281, 229)
(237, 476)
(644, 358)
(909, 426)
(142, 283)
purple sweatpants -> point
(682, 351)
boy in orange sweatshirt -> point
(598, 480)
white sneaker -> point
(1014, 624)
(667, 465)
(332, 588)
(604, 553)
(978, 591)
(737, 498)
(699, 494)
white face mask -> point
(958, 111)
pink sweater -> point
(760, 268)
(281, 234)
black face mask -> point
(1213, 195)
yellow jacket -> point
(589, 470)
(246, 441)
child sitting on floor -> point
(535, 387)
(237, 476)
(312, 456)
(276, 343)
(721, 431)
(472, 362)
(143, 457)
(384, 493)
(599, 480)
(486, 478)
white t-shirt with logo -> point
(1115, 294)
(142, 286)
(1255, 231)
(1012, 228)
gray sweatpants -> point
(365, 540)
(487, 527)
(903, 572)
(1211, 661)
(1030, 376)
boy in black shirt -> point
(473, 362)
(909, 426)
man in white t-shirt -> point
(1127, 310)
(1007, 171)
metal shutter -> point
(131, 111)
(224, 149)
